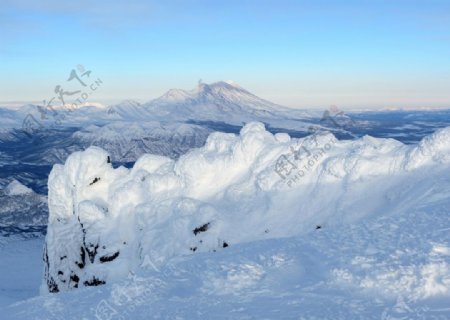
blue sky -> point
(296, 53)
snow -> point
(16, 188)
(21, 265)
(220, 101)
(383, 267)
(222, 194)
(354, 229)
(21, 207)
(127, 141)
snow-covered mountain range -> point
(216, 218)
(33, 138)
(171, 125)
(142, 126)
(220, 101)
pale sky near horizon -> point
(296, 53)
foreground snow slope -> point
(106, 223)
(20, 264)
(394, 266)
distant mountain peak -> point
(15, 188)
(222, 96)
(233, 83)
(176, 94)
(223, 85)
(130, 103)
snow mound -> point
(435, 146)
(106, 223)
(16, 188)
(21, 207)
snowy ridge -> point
(115, 221)
(435, 146)
(129, 110)
(126, 142)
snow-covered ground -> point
(21, 267)
(394, 266)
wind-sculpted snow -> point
(106, 223)
(435, 146)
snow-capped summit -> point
(15, 188)
(232, 93)
(217, 101)
(21, 206)
(174, 95)
(127, 109)
(233, 83)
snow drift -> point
(104, 223)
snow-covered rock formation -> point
(104, 223)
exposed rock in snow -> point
(105, 223)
